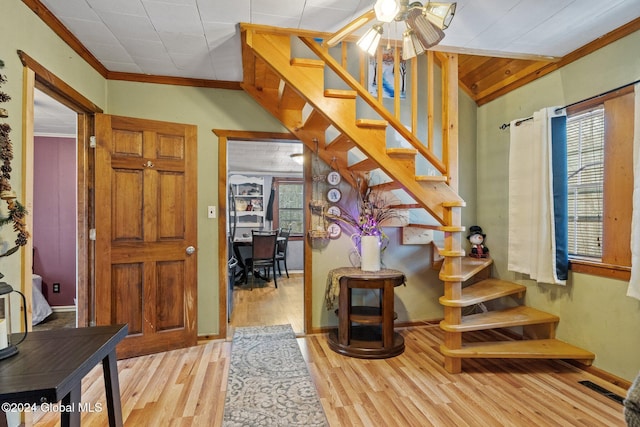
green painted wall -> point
(594, 312)
(22, 30)
(208, 109)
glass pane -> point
(290, 206)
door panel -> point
(145, 220)
(126, 295)
(127, 205)
(170, 301)
(171, 201)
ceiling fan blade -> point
(343, 32)
(428, 34)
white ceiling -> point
(268, 157)
(200, 38)
(51, 118)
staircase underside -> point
(325, 120)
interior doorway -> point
(299, 273)
(53, 211)
(266, 192)
(36, 76)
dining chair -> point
(263, 255)
(281, 250)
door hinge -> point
(92, 141)
(92, 234)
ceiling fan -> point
(424, 25)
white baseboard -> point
(63, 308)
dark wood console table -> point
(50, 366)
(364, 331)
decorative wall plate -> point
(333, 178)
(334, 231)
(334, 210)
(334, 195)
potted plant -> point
(364, 218)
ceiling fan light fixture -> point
(369, 42)
(386, 10)
(440, 14)
(411, 46)
(428, 34)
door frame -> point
(37, 76)
(224, 136)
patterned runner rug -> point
(269, 383)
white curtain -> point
(634, 283)
(532, 246)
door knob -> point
(190, 250)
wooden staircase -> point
(326, 120)
(538, 327)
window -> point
(289, 204)
(600, 179)
(585, 161)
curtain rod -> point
(557, 110)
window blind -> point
(585, 161)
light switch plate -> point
(211, 211)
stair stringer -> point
(438, 197)
(275, 51)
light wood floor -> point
(266, 305)
(187, 387)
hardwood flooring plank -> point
(187, 387)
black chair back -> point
(283, 241)
(263, 246)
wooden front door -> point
(145, 220)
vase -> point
(370, 253)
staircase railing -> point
(376, 103)
(271, 73)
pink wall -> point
(54, 217)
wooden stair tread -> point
(470, 267)
(424, 226)
(306, 62)
(387, 186)
(372, 123)
(340, 143)
(484, 290)
(451, 228)
(521, 349)
(514, 316)
(316, 121)
(431, 178)
(340, 93)
(397, 153)
(364, 165)
(446, 253)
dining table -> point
(246, 241)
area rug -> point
(269, 383)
